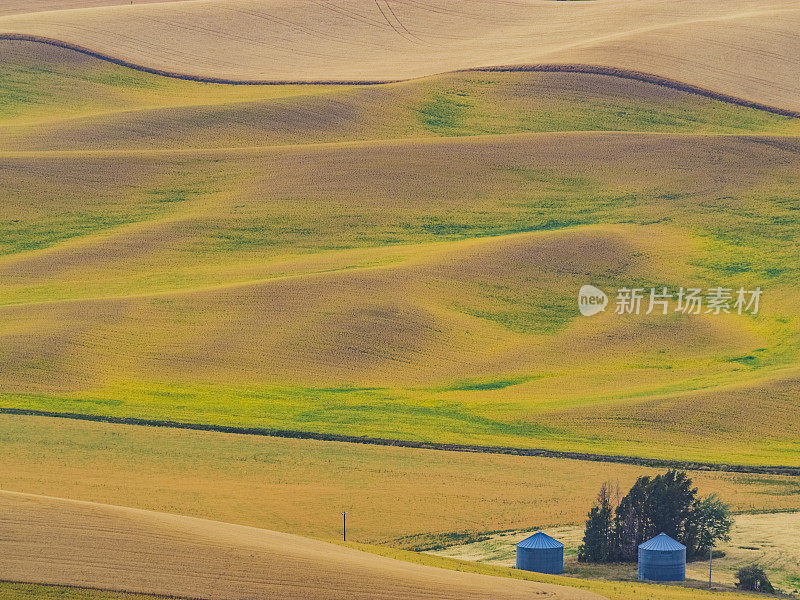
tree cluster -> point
(666, 503)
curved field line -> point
(107, 590)
(542, 68)
(24, 37)
(375, 441)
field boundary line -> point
(24, 37)
(589, 69)
(442, 446)
(71, 586)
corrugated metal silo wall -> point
(662, 565)
(541, 560)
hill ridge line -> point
(441, 446)
(771, 139)
(541, 68)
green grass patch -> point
(503, 103)
(444, 113)
(28, 233)
(28, 591)
(485, 385)
(388, 413)
(431, 542)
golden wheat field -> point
(395, 497)
(695, 42)
(403, 268)
(65, 541)
(166, 553)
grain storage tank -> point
(662, 559)
(541, 553)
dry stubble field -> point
(694, 42)
(767, 539)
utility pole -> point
(344, 526)
(710, 560)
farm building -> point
(662, 559)
(541, 553)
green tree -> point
(597, 537)
(711, 521)
(753, 579)
(662, 504)
(631, 521)
(665, 503)
(670, 504)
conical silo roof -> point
(540, 540)
(662, 543)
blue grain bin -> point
(662, 559)
(541, 553)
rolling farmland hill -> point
(188, 557)
(45, 539)
(398, 261)
(17, 7)
(369, 221)
(694, 42)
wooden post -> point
(344, 526)
(710, 560)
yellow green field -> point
(371, 219)
(396, 497)
(28, 591)
(406, 267)
(56, 99)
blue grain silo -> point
(662, 559)
(541, 553)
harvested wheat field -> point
(396, 497)
(191, 557)
(16, 7)
(81, 103)
(692, 42)
(55, 541)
